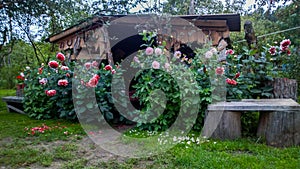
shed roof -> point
(218, 21)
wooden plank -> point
(257, 105)
(15, 109)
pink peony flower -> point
(60, 57)
(93, 81)
(95, 64)
(88, 65)
(155, 65)
(136, 59)
(53, 64)
(51, 92)
(64, 68)
(177, 54)
(208, 54)
(158, 51)
(167, 66)
(149, 51)
(272, 50)
(62, 82)
(113, 71)
(43, 81)
(108, 67)
(229, 52)
(220, 70)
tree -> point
(30, 19)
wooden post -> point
(280, 128)
(229, 127)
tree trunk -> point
(285, 88)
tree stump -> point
(280, 128)
(285, 88)
(229, 126)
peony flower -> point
(53, 64)
(108, 67)
(136, 59)
(64, 68)
(113, 71)
(88, 65)
(288, 51)
(167, 66)
(220, 70)
(40, 70)
(272, 50)
(62, 82)
(60, 57)
(158, 51)
(214, 50)
(149, 51)
(92, 82)
(96, 76)
(43, 81)
(22, 74)
(229, 52)
(208, 54)
(237, 75)
(95, 64)
(231, 81)
(155, 65)
(177, 54)
(68, 75)
(285, 43)
(51, 92)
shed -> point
(115, 37)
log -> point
(285, 88)
(280, 128)
(229, 127)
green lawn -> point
(20, 150)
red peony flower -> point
(51, 92)
(61, 57)
(231, 81)
(40, 70)
(108, 67)
(237, 75)
(219, 70)
(288, 51)
(229, 52)
(285, 43)
(272, 50)
(53, 64)
(63, 82)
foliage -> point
(52, 84)
(171, 83)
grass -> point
(54, 149)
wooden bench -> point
(279, 121)
(14, 104)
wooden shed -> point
(115, 37)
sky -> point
(248, 3)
